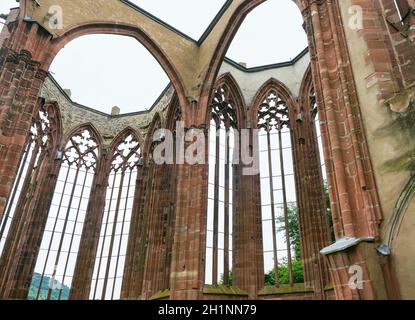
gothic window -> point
(61, 237)
(36, 144)
(278, 191)
(220, 196)
(112, 247)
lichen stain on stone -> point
(403, 107)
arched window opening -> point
(220, 193)
(36, 144)
(112, 248)
(61, 237)
(278, 192)
(260, 26)
(116, 66)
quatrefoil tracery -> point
(82, 150)
(127, 154)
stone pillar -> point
(248, 260)
(85, 262)
(188, 255)
(21, 78)
(137, 243)
(161, 215)
(20, 81)
(353, 194)
(312, 210)
(353, 264)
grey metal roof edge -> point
(159, 21)
(268, 66)
(213, 23)
(202, 38)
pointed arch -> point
(307, 98)
(55, 117)
(122, 29)
(174, 113)
(273, 112)
(232, 95)
(306, 85)
(86, 126)
(39, 148)
(122, 171)
(224, 42)
(225, 117)
(155, 124)
(80, 159)
(124, 134)
(283, 92)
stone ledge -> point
(210, 289)
(285, 289)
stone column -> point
(353, 194)
(137, 243)
(21, 78)
(161, 215)
(189, 249)
(248, 260)
(20, 81)
(85, 262)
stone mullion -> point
(189, 249)
(85, 262)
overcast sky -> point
(103, 71)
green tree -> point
(222, 279)
(329, 212)
(293, 230)
(283, 273)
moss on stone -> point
(330, 286)
(402, 121)
(285, 289)
(161, 295)
(225, 290)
